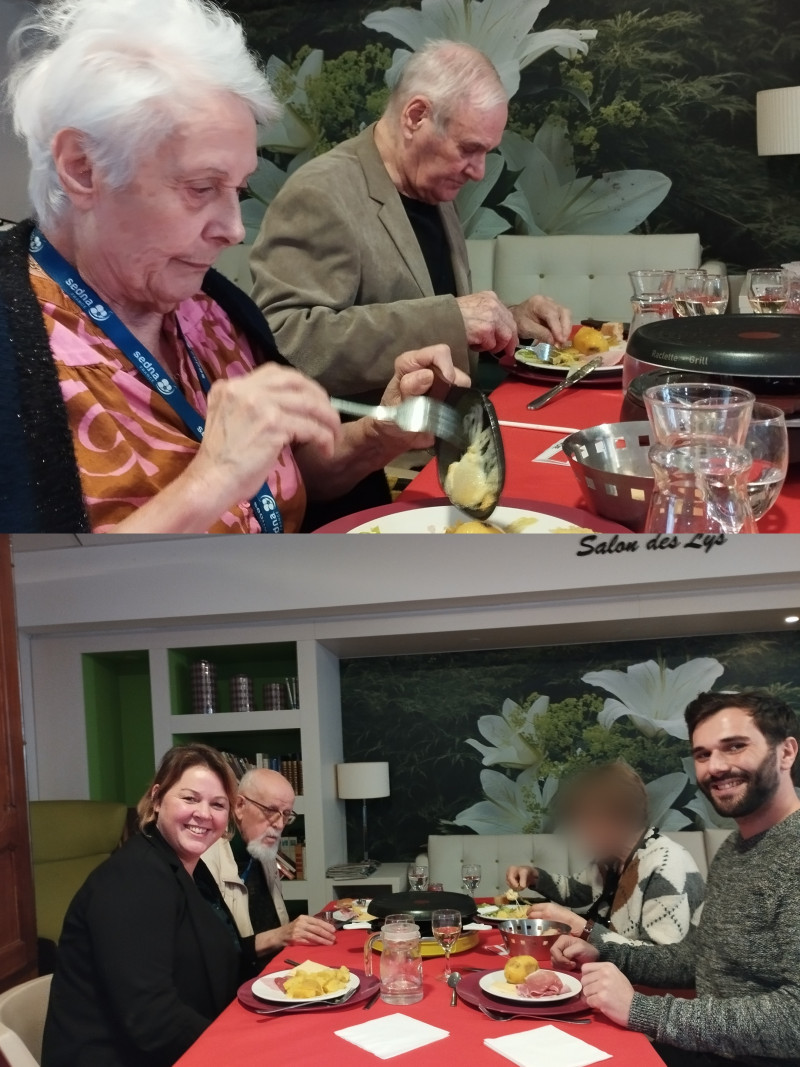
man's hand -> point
(489, 324)
(559, 914)
(571, 953)
(521, 877)
(542, 319)
(426, 372)
(308, 930)
(607, 990)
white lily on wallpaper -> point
(511, 735)
(661, 794)
(499, 28)
(512, 806)
(653, 696)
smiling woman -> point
(146, 393)
(149, 954)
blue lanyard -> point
(53, 263)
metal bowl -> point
(611, 465)
(532, 937)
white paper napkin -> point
(356, 926)
(547, 1045)
(477, 926)
(392, 1035)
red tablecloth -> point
(240, 1037)
(553, 481)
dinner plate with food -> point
(308, 983)
(352, 911)
(606, 341)
(523, 980)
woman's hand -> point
(558, 914)
(425, 372)
(252, 419)
(521, 877)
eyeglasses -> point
(271, 814)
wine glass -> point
(768, 291)
(687, 293)
(768, 443)
(446, 928)
(417, 877)
(471, 877)
(716, 294)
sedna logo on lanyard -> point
(264, 505)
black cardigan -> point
(144, 963)
(40, 487)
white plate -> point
(360, 914)
(265, 989)
(612, 370)
(495, 985)
(438, 518)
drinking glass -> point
(716, 294)
(471, 877)
(768, 291)
(768, 443)
(417, 877)
(399, 917)
(446, 928)
(688, 289)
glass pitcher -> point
(651, 301)
(401, 962)
(699, 459)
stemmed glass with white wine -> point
(716, 294)
(471, 877)
(446, 928)
(687, 292)
(768, 444)
(417, 877)
(767, 291)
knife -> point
(573, 377)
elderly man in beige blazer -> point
(361, 255)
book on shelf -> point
(286, 867)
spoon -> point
(453, 981)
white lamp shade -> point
(362, 781)
(778, 119)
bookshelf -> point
(130, 700)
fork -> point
(299, 1006)
(418, 414)
(499, 1017)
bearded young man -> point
(246, 871)
(743, 957)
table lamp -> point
(363, 781)
(778, 121)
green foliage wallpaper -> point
(668, 86)
(478, 741)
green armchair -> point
(69, 838)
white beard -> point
(263, 852)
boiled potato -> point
(518, 968)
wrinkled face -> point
(737, 768)
(193, 814)
(150, 243)
(439, 163)
(256, 825)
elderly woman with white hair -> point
(142, 391)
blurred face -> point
(150, 243)
(600, 835)
(737, 768)
(438, 163)
(261, 810)
(193, 814)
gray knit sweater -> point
(743, 958)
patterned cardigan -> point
(659, 896)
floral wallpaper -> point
(479, 742)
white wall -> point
(14, 203)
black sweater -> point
(40, 486)
(144, 963)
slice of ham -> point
(541, 983)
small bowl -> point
(532, 937)
(611, 465)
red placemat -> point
(470, 992)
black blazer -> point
(144, 963)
